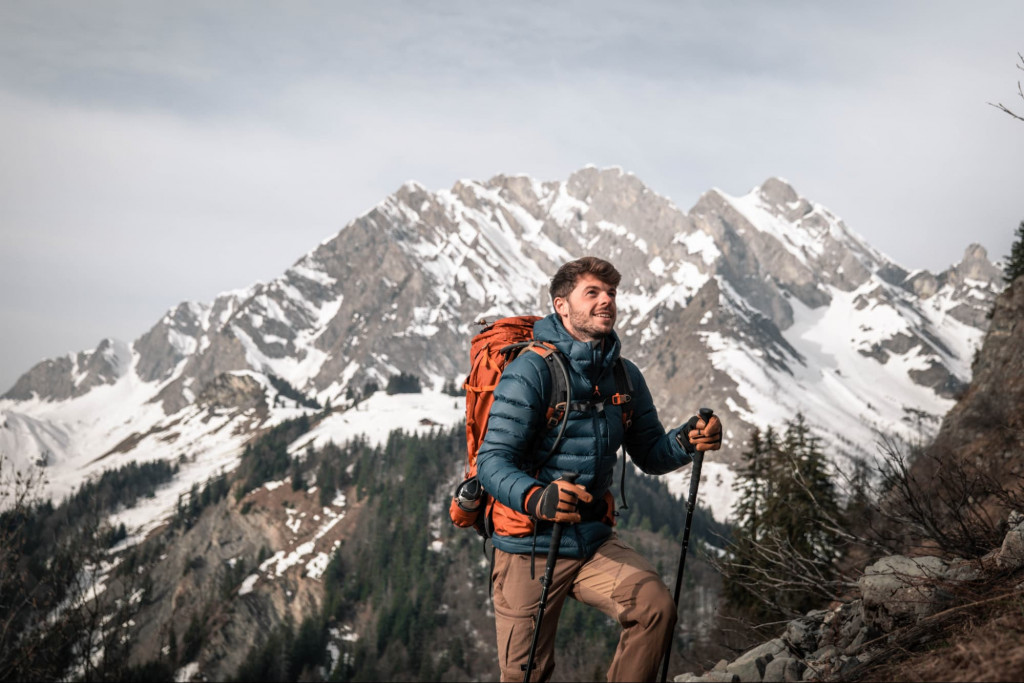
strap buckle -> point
(556, 414)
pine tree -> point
(752, 484)
(783, 547)
(403, 383)
(811, 498)
(326, 480)
(1015, 261)
(858, 504)
(298, 482)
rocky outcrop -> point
(170, 341)
(232, 391)
(973, 300)
(898, 595)
(1011, 552)
(985, 429)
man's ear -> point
(561, 306)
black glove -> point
(557, 501)
(683, 435)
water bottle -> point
(468, 494)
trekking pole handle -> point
(556, 539)
(698, 460)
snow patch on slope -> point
(855, 396)
(379, 415)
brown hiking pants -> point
(616, 580)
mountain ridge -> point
(398, 289)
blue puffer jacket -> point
(589, 444)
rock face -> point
(232, 391)
(983, 434)
(988, 422)
(259, 543)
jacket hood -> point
(586, 357)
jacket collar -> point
(585, 357)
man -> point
(594, 566)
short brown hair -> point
(565, 279)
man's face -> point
(588, 313)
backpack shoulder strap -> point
(623, 391)
(559, 400)
(623, 397)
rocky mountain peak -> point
(781, 199)
(590, 181)
(778, 192)
(75, 374)
(518, 188)
(976, 266)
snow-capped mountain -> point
(760, 306)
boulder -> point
(750, 666)
(720, 677)
(850, 626)
(1011, 553)
(766, 651)
(709, 677)
(749, 669)
(802, 635)
(783, 669)
(898, 590)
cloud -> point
(160, 152)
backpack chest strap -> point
(623, 395)
(598, 404)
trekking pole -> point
(691, 503)
(545, 582)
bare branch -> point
(1003, 108)
(1020, 92)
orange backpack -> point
(490, 352)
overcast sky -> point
(152, 153)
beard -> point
(588, 326)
